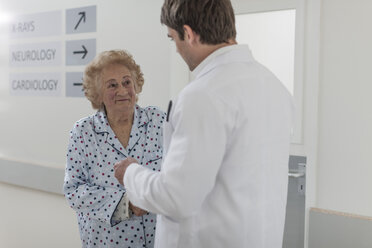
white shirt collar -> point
(210, 57)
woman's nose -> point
(122, 89)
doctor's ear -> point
(189, 34)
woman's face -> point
(118, 93)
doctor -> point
(223, 181)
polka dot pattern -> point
(91, 188)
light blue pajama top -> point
(91, 188)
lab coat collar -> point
(102, 126)
(224, 55)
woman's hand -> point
(121, 167)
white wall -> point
(31, 218)
(336, 105)
(345, 106)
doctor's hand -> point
(121, 167)
(136, 210)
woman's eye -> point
(126, 82)
(112, 85)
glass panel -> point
(271, 38)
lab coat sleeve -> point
(193, 159)
(98, 202)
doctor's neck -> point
(204, 50)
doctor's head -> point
(198, 24)
(112, 81)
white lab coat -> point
(224, 179)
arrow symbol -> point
(82, 18)
(78, 84)
(85, 52)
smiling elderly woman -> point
(118, 130)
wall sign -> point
(38, 53)
(74, 84)
(35, 84)
(35, 54)
(34, 25)
(80, 52)
(81, 20)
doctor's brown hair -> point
(213, 20)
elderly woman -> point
(118, 130)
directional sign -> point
(36, 25)
(74, 84)
(80, 52)
(81, 20)
(35, 84)
(35, 54)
